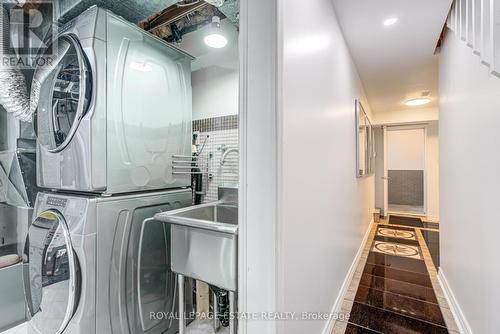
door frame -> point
(388, 128)
(259, 190)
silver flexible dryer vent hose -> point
(13, 91)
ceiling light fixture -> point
(215, 39)
(391, 21)
(420, 101)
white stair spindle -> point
(485, 32)
(468, 22)
(495, 36)
(463, 20)
(476, 26)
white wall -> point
(412, 115)
(432, 170)
(470, 184)
(215, 92)
(324, 209)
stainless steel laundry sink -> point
(217, 216)
(204, 242)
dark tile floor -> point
(432, 241)
(406, 221)
(395, 293)
(412, 221)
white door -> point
(405, 170)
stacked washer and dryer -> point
(114, 109)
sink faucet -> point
(226, 153)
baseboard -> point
(459, 316)
(347, 281)
(432, 219)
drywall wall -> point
(432, 170)
(215, 92)
(324, 209)
(410, 115)
(469, 184)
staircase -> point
(477, 23)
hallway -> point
(395, 288)
(272, 166)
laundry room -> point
(119, 166)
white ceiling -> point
(395, 62)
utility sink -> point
(217, 216)
(204, 241)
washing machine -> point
(100, 264)
(114, 107)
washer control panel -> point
(57, 202)
(72, 208)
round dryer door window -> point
(51, 274)
(64, 90)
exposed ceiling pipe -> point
(175, 14)
(130, 10)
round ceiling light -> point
(418, 101)
(391, 21)
(215, 39)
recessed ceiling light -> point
(391, 21)
(215, 39)
(418, 101)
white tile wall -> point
(212, 153)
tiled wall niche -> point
(221, 131)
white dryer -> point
(99, 264)
(114, 107)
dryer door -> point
(51, 273)
(64, 91)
